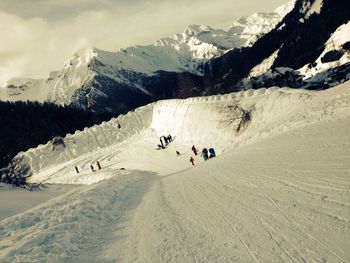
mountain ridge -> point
(82, 76)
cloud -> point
(33, 47)
(40, 35)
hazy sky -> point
(37, 36)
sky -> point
(38, 36)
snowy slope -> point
(277, 192)
(185, 52)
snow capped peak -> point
(195, 30)
(249, 28)
(82, 57)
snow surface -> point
(15, 202)
(314, 8)
(264, 66)
(278, 191)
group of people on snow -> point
(167, 139)
(91, 166)
(206, 154)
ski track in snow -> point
(278, 191)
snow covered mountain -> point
(103, 78)
(298, 40)
(250, 28)
(277, 191)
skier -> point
(161, 142)
(98, 165)
(194, 150)
(192, 160)
(166, 140)
(170, 139)
(76, 169)
(177, 153)
(92, 168)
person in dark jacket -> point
(205, 154)
(192, 160)
(92, 168)
(76, 169)
(98, 165)
(194, 150)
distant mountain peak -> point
(81, 57)
(250, 27)
(195, 30)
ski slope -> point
(278, 191)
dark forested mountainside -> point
(27, 124)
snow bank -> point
(88, 140)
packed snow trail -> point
(279, 191)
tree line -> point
(25, 125)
